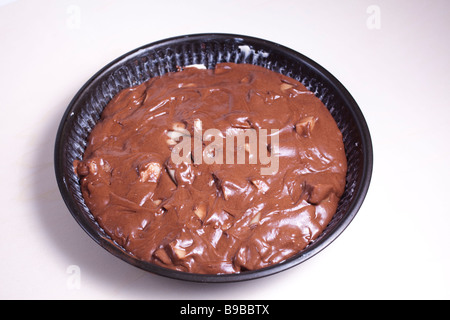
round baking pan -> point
(164, 56)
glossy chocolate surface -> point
(213, 217)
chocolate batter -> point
(213, 217)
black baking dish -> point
(164, 56)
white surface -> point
(397, 247)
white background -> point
(397, 247)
